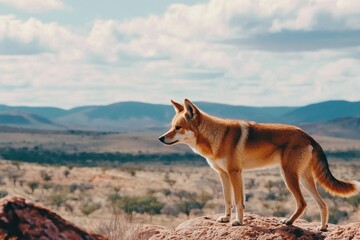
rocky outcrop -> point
(22, 219)
(255, 227)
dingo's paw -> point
(236, 222)
(321, 228)
(223, 219)
(286, 222)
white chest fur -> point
(218, 164)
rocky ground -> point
(22, 219)
(256, 227)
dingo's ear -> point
(177, 106)
(190, 110)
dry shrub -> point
(120, 226)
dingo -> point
(233, 146)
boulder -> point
(22, 219)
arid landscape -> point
(153, 188)
(88, 88)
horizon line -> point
(152, 103)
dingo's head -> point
(183, 126)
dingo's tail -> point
(327, 180)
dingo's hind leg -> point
(292, 182)
(308, 182)
(295, 160)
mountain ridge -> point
(140, 116)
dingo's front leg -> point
(226, 186)
(237, 184)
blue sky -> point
(242, 52)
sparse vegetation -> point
(271, 196)
(57, 199)
(14, 175)
(69, 207)
(85, 187)
(203, 198)
(280, 211)
(2, 180)
(115, 201)
(89, 207)
(166, 191)
(187, 206)
(66, 172)
(45, 176)
(124, 227)
(33, 185)
(269, 185)
(336, 215)
(73, 187)
(114, 198)
(347, 155)
(148, 205)
(170, 210)
(354, 202)
(93, 159)
(183, 194)
(130, 169)
(169, 181)
(3, 193)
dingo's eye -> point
(177, 127)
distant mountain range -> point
(138, 116)
(348, 127)
(16, 119)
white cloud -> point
(46, 37)
(181, 53)
(323, 15)
(343, 68)
(35, 6)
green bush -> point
(93, 159)
(183, 194)
(73, 187)
(85, 187)
(3, 193)
(166, 192)
(66, 172)
(336, 215)
(354, 202)
(45, 176)
(141, 205)
(33, 185)
(271, 196)
(114, 198)
(203, 198)
(169, 181)
(188, 205)
(89, 207)
(57, 199)
(130, 169)
(170, 210)
(280, 211)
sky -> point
(243, 52)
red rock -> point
(22, 219)
(256, 227)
